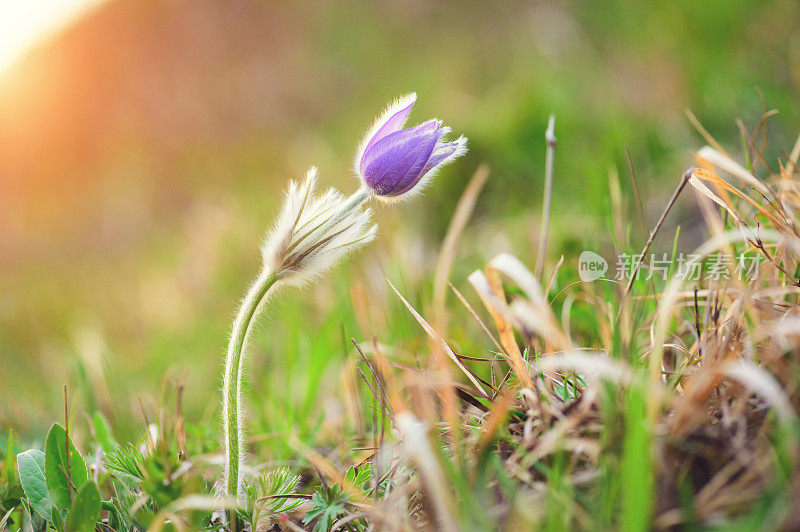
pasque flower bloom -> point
(314, 231)
(394, 162)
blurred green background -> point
(144, 151)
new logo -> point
(591, 266)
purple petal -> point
(398, 140)
(396, 163)
(392, 124)
(442, 152)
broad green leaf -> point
(56, 466)
(103, 433)
(85, 509)
(57, 519)
(37, 523)
(31, 474)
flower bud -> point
(394, 162)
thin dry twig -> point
(684, 180)
(550, 138)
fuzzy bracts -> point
(314, 232)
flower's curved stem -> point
(232, 382)
(242, 327)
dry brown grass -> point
(716, 364)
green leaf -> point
(328, 505)
(126, 459)
(85, 510)
(12, 496)
(358, 477)
(58, 521)
(103, 433)
(31, 474)
(37, 523)
(637, 467)
(56, 466)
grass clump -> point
(650, 399)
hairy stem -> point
(242, 327)
(232, 383)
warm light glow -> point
(24, 23)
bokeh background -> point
(144, 149)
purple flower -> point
(396, 162)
